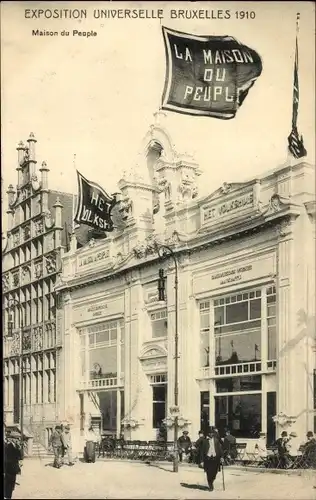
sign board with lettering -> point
(93, 258)
(98, 310)
(214, 211)
(235, 275)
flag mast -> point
(296, 147)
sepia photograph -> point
(158, 249)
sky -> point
(95, 97)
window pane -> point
(232, 349)
(205, 321)
(160, 328)
(241, 414)
(238, 327)
(237, 312)
(237, 384)
(102, 336)
(219, 316)
(255, 309)
(103, 362)
(272, 342)
(204, 349)
(159, 393)
(271, 310)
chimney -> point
(58, 221)
(20, 150)
(32, 160)
(44, 185)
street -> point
(113, 479)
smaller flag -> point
(256, 348)
(94, 205)
(295, 142)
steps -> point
(39, 451)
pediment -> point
(225, 189)
(153, 351)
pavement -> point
(130, 480)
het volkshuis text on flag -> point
(94, 205)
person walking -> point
(90, 446)
(229, 447)
(57, 443)
(67, 451)
(198, 449)
(212, 456)
(12, 462)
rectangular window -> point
(240, 413)
(159, 323)
(205, 410)
(271, 320)
(159, 404)
(204, 333)
(239, 384)
(237, 328)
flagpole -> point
(73, 199)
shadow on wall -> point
(308, 331)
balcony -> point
(102, 383)
(238, 369)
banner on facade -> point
(207, 75)
(94, 205)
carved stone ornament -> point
(26, 340)
(26, 232)
(38, 227)
(15, 345)
(5, 282)
(50, 264)
(16, 239)
(148, 247)
(26, 154)
(284, 227)
(16, 279)
(125, 208)
(37, 338)
(35, 183)
(284, 420)
(49, 222)
(226, 188)
(26, 274)
(38, 269)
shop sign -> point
(214, 212)
(92, 259)
(235, 275)
(98, 310)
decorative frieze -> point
(26, 339)
(16, 239)
(5, 282)
(50, 263)
(26, 232)
(37, 338)
(15, 344)
(38, 227)
(38, 269)
(16, 278)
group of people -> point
(61, 444)
(289, 446)
(193, 451)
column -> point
(264, 358)
(212, 363)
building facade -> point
(39, 220)
(246, 259)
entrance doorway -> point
(108, 410)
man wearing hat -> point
(212, 456)
(184, 445)
(67, 450)
(310, 450)
(283, 449)
(12, 466)
(58, 444)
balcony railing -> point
(237, 369)
(102, 383)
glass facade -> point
(240, 321)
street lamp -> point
(15, 302)
(163, 251)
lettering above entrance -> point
(259, 268)
(216, 210)
(99, 310)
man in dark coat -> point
(58, 444)
(283, 450)
(212, 456)
(12, 457)
(199, 448)
(184, 445)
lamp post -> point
(15, 302)
(163, 251)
